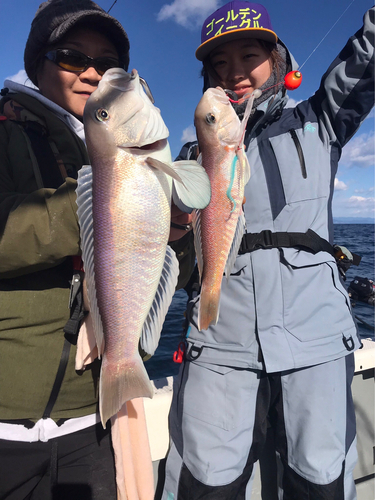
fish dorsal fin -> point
(240, 228)
(198, 241)
(163, 167)
(167, 285)
(84, 202)
(195, 189)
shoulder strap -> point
(58, 380)
(71, 330)
(267, 239)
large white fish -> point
(219, 227)
(124, 201)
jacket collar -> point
(71, 121)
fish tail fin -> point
(118, 386)
(209, 308)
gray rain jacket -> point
(286, 308)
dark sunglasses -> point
(72, 60)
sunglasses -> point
(72, 60)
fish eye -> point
(102, 115)
(210, 118)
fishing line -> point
(111, 6)
(325, 36)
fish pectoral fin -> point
(195, 190)
(163, 167)
(151, 330)
(244, 165)
(240, 229)
(84, 212)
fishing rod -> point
(108, 11)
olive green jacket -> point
(38, 232)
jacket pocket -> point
(316, 304)
(301, 157)
(235, 330)
(304, 164)
(217, 395)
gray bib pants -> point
(218, 433)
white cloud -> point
(189, 135)
(355, 206)
(360, 151)
(340, 185)
(361, 205)
(21, 77)
(364, 191)
(188, 13)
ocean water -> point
(358, 238)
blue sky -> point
(163, 37)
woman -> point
(281, 354)
(50, 438)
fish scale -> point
(218, 224)
(124, 294)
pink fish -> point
(219, 227)
(124, 201)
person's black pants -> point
(78, 466)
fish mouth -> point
(146, 148)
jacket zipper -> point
(299, 151)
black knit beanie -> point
(55, 18)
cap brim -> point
(97, 21)
(260, 33)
